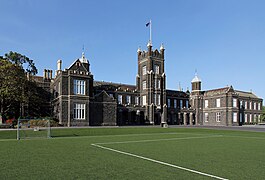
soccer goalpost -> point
(33, 128)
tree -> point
(12, 78)
(14, 69)
(22, 61)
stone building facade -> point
(78, 100)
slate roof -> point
(113, 86)
(218, 91)
(246, 94)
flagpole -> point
(150, 31)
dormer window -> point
(77, 64)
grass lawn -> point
(134, 153)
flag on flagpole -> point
(147, 24)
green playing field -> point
(134, 153)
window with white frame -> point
(175, 103)
(259, 118)
(144, 70)
(79, 87)
(234, 102)
(158, 100)
(250, 117)
(144, 85)
(144, 100)
(136, 100)
(119, 99)
(156, 69)
(158, 84)
(246, 118)
(234, 117)
(79, 111)
(246, 104)
(250, 105)
(255, 105)
(206, 117)
(168, 103)
(128, 99)
(218, 117)
(218, 103)
(206, 103)
(181, 104)
(258, 106)
(241, 104)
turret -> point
(196, 83)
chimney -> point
(50, 73)
(59, 65)
(44, 74)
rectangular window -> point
(250, 105)
(144, 100)
(128, 99)
(246, 104)
(158, 84)
(144, 85)
(250, 117)
(181, 104)
(206, 103)
(79, 111)
(168, 103)
(218, 104)
(175, 103)
(255, 105)
(119, 99)
(258, 106)
(136, 100)
(144, 70)
(241, 104)
(234, 102)
(79, 87)
(156, 69)
(187, 104)
(218, 117)
(234, 117)
(206, 117)
(246, 118)
(158, 99)
(259, 118)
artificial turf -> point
(70, 155)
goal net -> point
(33, 128)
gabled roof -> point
(79, 67)
(103, 97)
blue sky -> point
(223, 39)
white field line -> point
(158, 162)
(155, 140)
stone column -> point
(191, 119)
(185, 118)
